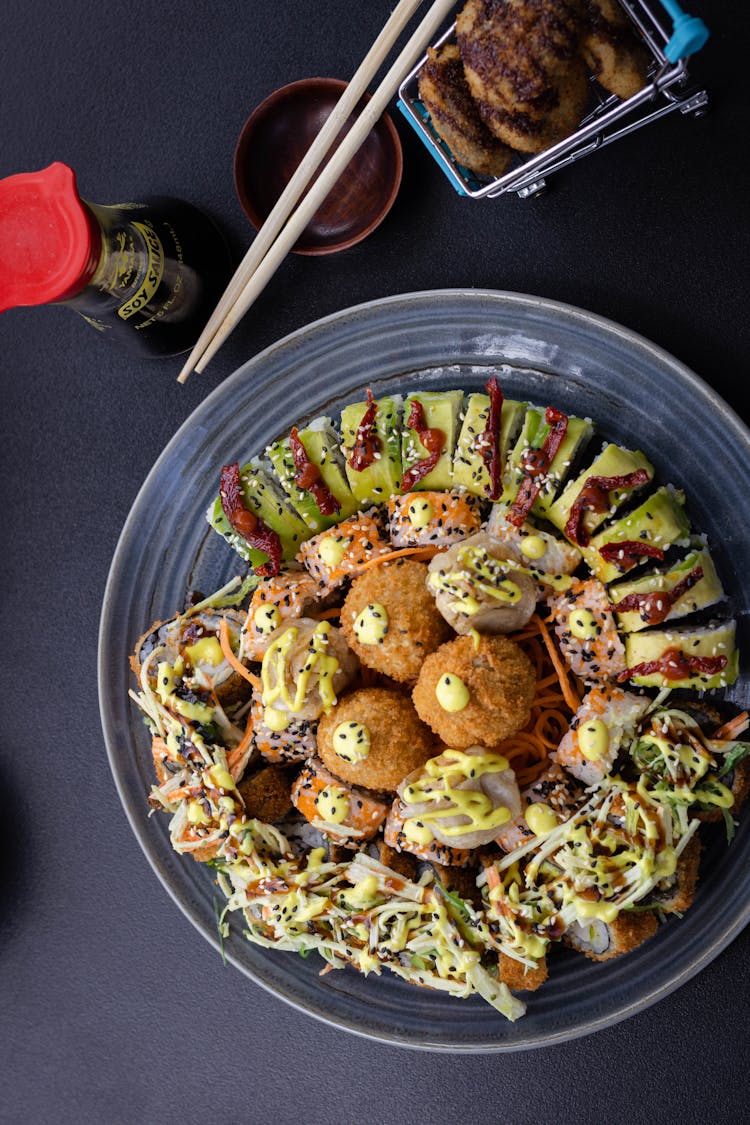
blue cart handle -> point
(688, 33)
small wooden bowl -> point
(272, 143)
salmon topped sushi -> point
(427, 519)
(585, 626)
(547, 802)
(345, 814)
(284, 597)
(337, 554)
(536, 549)
(598, 729)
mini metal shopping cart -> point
(610, 119)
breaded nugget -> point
(613, 53)
(403, 863)
(461, 881)
(374, 738)
(475, 694)
(523, 67)
(446, 96)
(390, 621)
(601, 941)
(267, 794)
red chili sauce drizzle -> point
(625, 553)
(594, 497)
(366, 441)
(308, 477)
(677, 665)
(488, 443)
(432, 440)
(654, 606)
(535, 463)
(246, 523)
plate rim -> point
(149, 847)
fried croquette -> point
(615, 56)
(455, 117)
(390, 621)
(475, 694)
(267, 794)
(518, 976)
(523, 68)
(374, 738)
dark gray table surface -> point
(112, 1008)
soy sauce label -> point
(153, 273)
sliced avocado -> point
(532, 436)
(441, 410)
(707, 590)
(613, 461)
(469, 469)
(382, 478)
(660, 521)
(322, 447)
(712, 640)
(262, 496)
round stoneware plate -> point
(544, 352)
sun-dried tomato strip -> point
(535, 463)
(488, 442)
(246, 523)
(594, 497)
(625, 553)
(433, 441)
(308, 476)
(366, 441)
(676, 665)
(654, 605)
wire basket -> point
(609, 120)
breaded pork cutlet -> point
(524, 69)
(446, 96)
(612, 52)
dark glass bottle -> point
(146, 275)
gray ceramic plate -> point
(546, 352)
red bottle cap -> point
(50, 243)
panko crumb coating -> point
(398, 741)
(412, 629)
(501, 683)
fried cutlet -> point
(455, 118)
(524, 69)
(611, 49)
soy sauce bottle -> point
(146, 275)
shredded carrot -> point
(239, 667)
(421, 552)
(235, 756)
(735, 726)
(569, 694)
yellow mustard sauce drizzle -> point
(533, 547)
(371, 626)
(333, 804)
(351, 741)
(456, 768)
(419, 514)
(484, 573)
(593, 739)
(452, 693)
(583, 625)
(332, 550)
(276, 720)
(317, 660)
(266, 618)
(541, 819)
(206, 650)
(166, 682)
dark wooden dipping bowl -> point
(278, 134)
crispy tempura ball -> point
(374, 738)
(389, 619)
(475, 694)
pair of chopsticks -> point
(284, 225)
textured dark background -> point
(112, 1008)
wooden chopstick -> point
(279, 237)
(347, 103)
